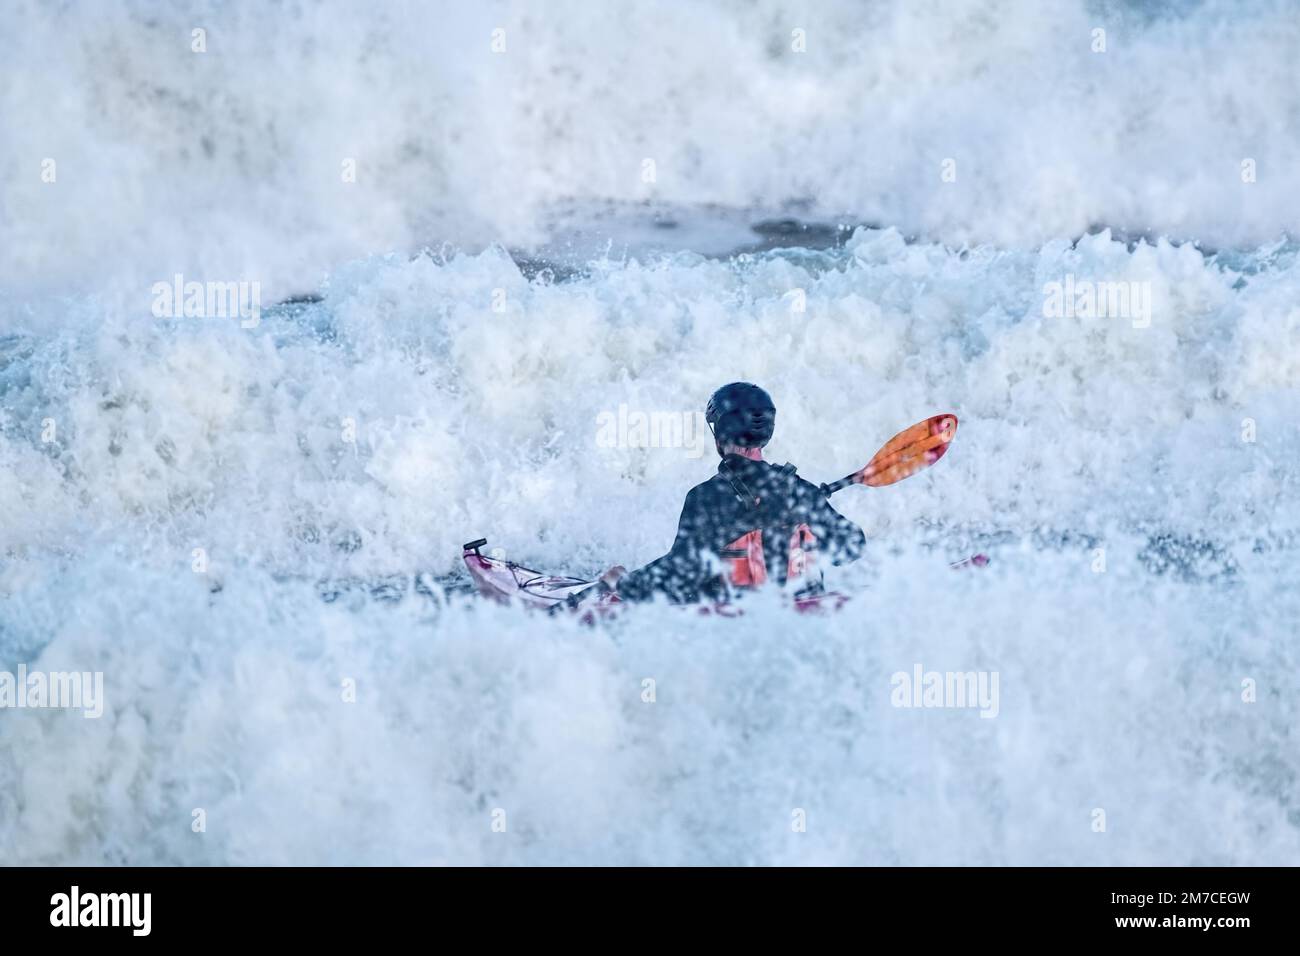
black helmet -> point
(741, 414)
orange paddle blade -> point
(909, 451)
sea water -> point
(252, 531)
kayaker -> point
(751, 523)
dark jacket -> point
(744, 496)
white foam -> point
(1119, 690)
(430, 400)
(229, 163)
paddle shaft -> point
(834, 486)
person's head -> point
(742, 417)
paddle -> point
(911, 450)
(577, 597)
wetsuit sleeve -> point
(836, 535)
(677, 573)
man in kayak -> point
(750, 523)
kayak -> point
(509, 582)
